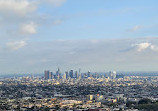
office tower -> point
(76, 74)
(58, 74)
(64, 76)
(67, 75)
(112, 74)
(50, 75)
(71, 73)
(46, 74)
(79, 75)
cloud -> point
(19, 7)
(16, 13)
(29, 28)
(19, 18)
(73, 54)
(15, 45)
(154, 48)
(56, 3)
(145, 45)
(142, 46)
(135, 28)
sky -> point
(94, 35)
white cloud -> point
(20, 7)
(142, 46)
(154, 48)
(15, 45)
(145, 45)
(135, 28)
(18, 12)
(18, 19)
(29, 28)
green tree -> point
(145, 101)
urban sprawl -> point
(77, 91)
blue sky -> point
(95, 35)
(102, 19)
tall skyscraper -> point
(64, 76)
(46, 74)
(76, 74)
(67, 75)
(58, 74)
(71, 73)
(50, 75)
(79, 74)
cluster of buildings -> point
(78, 75)
(58, 75)
(61, 92)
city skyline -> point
(78, 55)
(94, 35)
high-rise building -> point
(79, 74)
(64, 76)
(58, 74)
(71, 73)
(67, 75)
(46, 74)
(50, 75)
(76, 74)
(112, 74)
